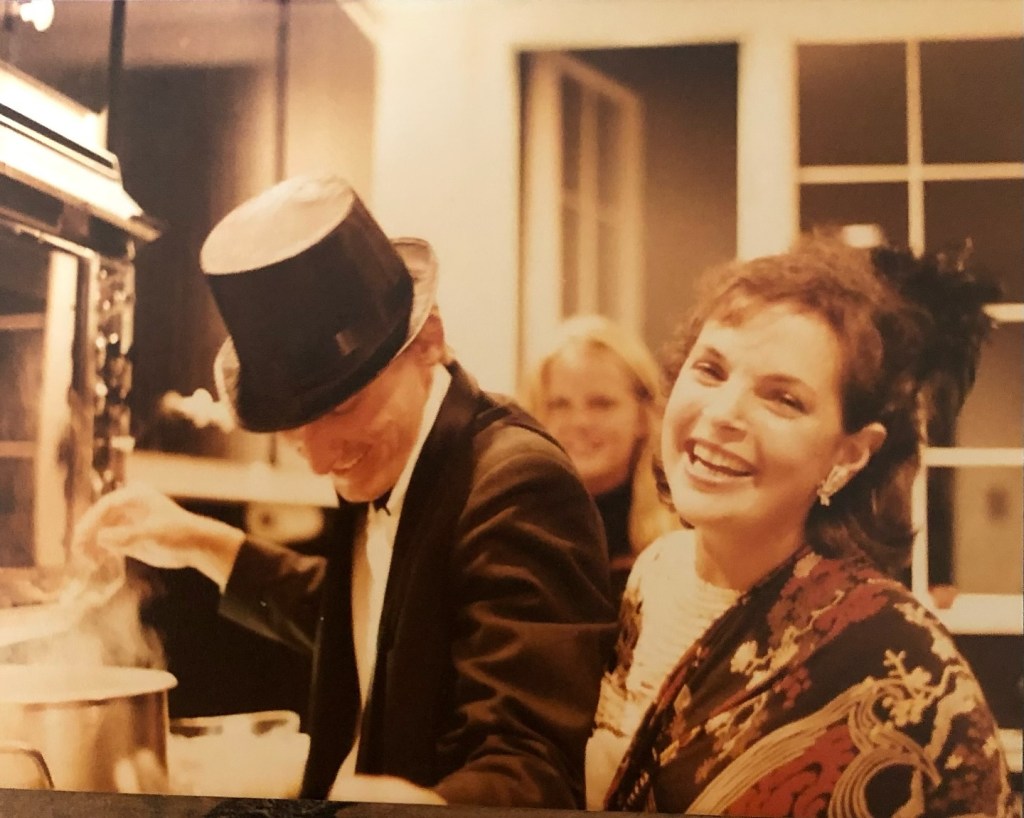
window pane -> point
(987, 529)
(570, 261)
(853, 104)
(21, 366)
(608, 302)
(972, 99)
(975, 529)
(572, 107)
(17, 479)
(990, 213)
(941, 485)
(609, 165)
(884, 204)
(992, 414)
(23, 295)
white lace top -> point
(677, 607)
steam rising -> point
(111, 633)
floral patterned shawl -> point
(826, 690)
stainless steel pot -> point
(84, 728)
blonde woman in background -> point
(598, 391)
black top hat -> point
(316, 299)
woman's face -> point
(592, 409)
(754, 424)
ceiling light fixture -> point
(38, 13)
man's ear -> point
(428, 345)
(857, 449)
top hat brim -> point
(419, 260)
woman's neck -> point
(738, 559)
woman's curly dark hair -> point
(903, 323)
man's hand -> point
(382, 789)
(140, 522)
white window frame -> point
(544, 196)
(970, 612)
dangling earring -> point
(830, 485)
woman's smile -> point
(710, 462)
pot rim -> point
(73, 684)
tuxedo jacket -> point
(496, 626)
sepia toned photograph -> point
(460, 406)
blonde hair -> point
(649, 517)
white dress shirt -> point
(371, 559)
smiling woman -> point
(769, 663)
(753, 427)
(598, 391)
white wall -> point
(330, 96)
(446, 168)
(446, 127)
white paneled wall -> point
(446, 149)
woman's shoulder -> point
(867, 611)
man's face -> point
(364, 443)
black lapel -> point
(437, 489)
(334, 697)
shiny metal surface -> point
(96, 728)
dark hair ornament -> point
(950, 297)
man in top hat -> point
(460, 623)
